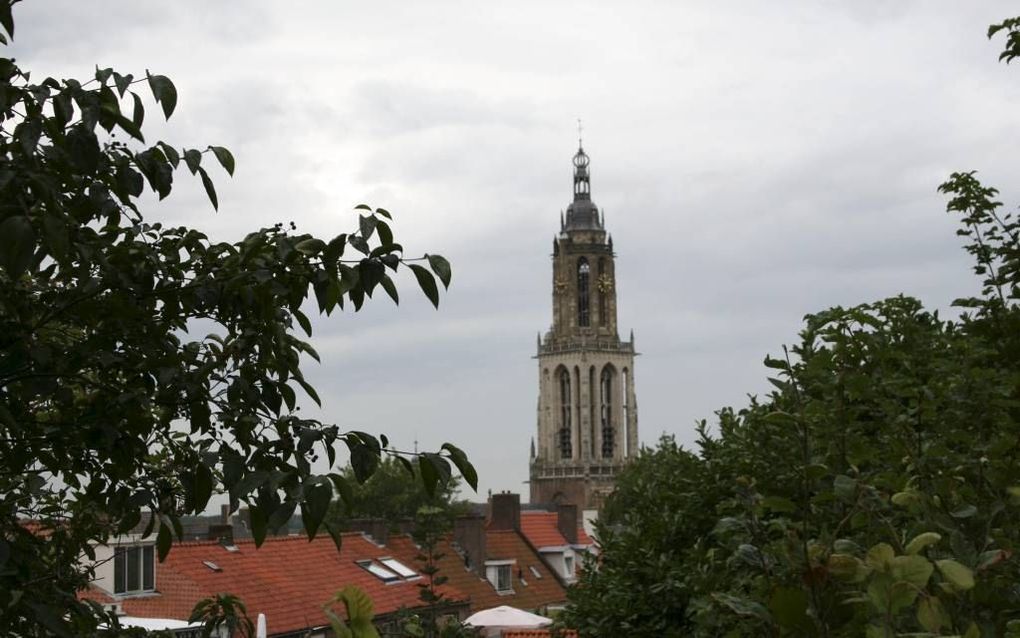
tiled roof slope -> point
(532, 593)
(542, 530)
(287, 579)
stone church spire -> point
(587, 414)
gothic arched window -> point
(603, 294)
(566, 446)
(583, 313)
(606, 395)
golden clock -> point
(605, 283)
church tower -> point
(587, 411)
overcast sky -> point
(757, 161)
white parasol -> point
(494, 621)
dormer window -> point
(133, 569)
(500, 574)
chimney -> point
(377, 528)
(224, 533)
(505, 511)
(469, 534)
(566, 521)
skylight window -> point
(211, 565)
(400, 568)
(378, 571)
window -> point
(399, 567)
(607, 412)
(583, 312)
(568, 566)
(503, 578)
(133, 569)
(566, 446)
(378, 571)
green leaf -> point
(210, 190)
(385, 234)
(385, 213)
(311, 246)
(363, 460)
(122, 82)
(315, 506)
(427, 283)
(306, 325)
(743, 606)
(193, 159)
(259, 524)
(466, 469)
(367, 226)
(17, 245)
(932, 615)
(6, 19)
(129, 127)
(138, 114)
(203, 487)
(164, 539)
(164, 92)
(336, 534)
(921, 541)
(879, 556)
(390, 288)
(913, 569)
(429, 475)
(845, 488)
(309, 390)
(964, 511)
(959, 576)
(171, 153)
(442, 269)
(225, 158)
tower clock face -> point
(605, 283)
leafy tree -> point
(112, 402)
(223, 612)
(874, 492)
(394, 493)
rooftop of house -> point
(533, 585)
(287, 578)
(542, 530)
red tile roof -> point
(288, 579)
(500, 545)
(542, 530)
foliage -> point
(393, 493)
(431, 524)
(223, 611)
(358, 607)
(112, 403)
(874, 492)
(1011, 27)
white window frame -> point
(121, 566)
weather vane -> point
(579, 130)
